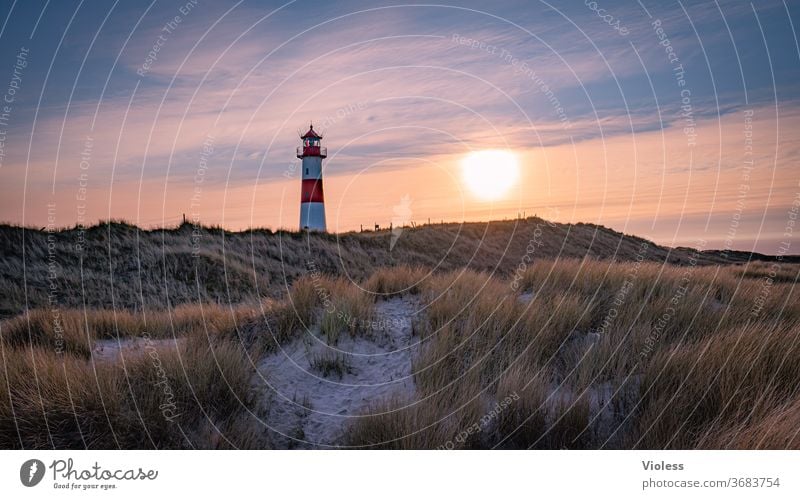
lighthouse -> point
(312, 203)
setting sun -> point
(490, 174)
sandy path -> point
(306, 409)
(112, 350)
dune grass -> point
(699, 394)
(115, 264)
(165, 398)
(74, 331)
(393, 281)
(567, 354)
(197, 393)
(330, 362)
(601, 355)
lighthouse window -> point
(306, 171)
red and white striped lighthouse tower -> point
(312, 202)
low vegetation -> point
(601, 355)
(56, 392)
(116, 265)
(331, 362)
(563, 353)
(166, 398)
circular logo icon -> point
(31, 472)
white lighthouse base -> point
(312, 216)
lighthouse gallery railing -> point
(312, 151)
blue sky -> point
(396, 87)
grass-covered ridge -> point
(118, 265)
(618, 344)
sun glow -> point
(490, 174)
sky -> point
(674, 121)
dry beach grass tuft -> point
(623, 351)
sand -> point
(112, 350)
(306, 409)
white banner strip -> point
(405, 474)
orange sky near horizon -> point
(97, 128)
(620, 182)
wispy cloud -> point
(390, 85)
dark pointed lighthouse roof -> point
(311, 134)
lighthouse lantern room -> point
(312, 203)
